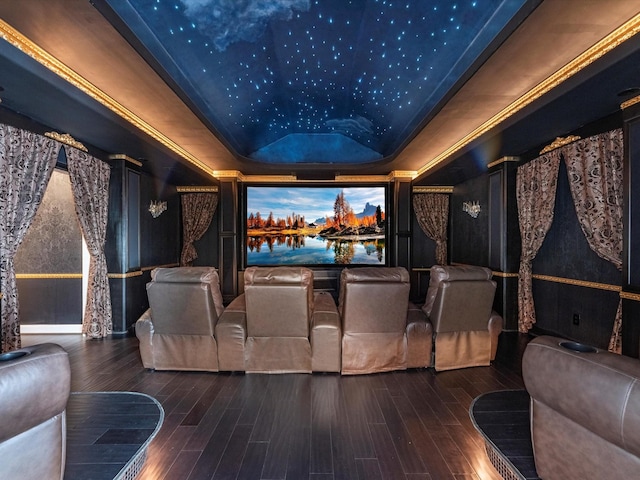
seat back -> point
(185, 301)
(459, 298)
(374, 299)
(279, 301)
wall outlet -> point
(576, 319)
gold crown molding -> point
(427, 189)
(559, 142)
(126, 158)
(578, 283)
(22, 43)
(207, 189)
(630, 102)
(241, 177)
(45, 276)
(604, 46)
(137, 273)
(503, 160)
(403, 174)
(168, 265)
(630, 296)
(67, 140)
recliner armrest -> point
(419, 338)
(495, 326)
(326, 335)
(231, 334)
(144, 332)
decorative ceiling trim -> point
(203, 189)
(126, 158)
(67, 140)
(559, 142)
(432, 189)
(238, 175)
(22, 43)
(604, 46)
(504, 159)
(630, 102)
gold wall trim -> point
(168, 265)
(67, 140)
(126, 158)
(211, 189)
(503, 160)
(630, 296)
(22, 43)
(33, 276)
(630, 102)
(137, 273)
(559, 142)
(578, 283)
(505, 275)
(418, 189)
(604, 46)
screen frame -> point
(324, 266)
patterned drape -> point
(197, 212)
(432, 213)
(26, 163)
(536, 184)
(90, 184)
(594, 166)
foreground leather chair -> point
(585, 410)
(177, 332)
(382, 330)
(34, 390)
(459, 305)
(278, 325)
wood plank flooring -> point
(411, 425)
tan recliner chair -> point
(459, 305)
(177, 332)
(279, 325)
(382, 330)
(34, 390)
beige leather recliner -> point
(34, 390)
(278, 325)
(459, 305)
(177, 332)
(382, 329)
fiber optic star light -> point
(317, 81)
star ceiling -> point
(316, 81)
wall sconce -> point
(156, 208)
(472, 208)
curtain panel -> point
(594, 166)
(90, 184)
(432, 213)
(197, 211)
(536, 184)
(26, 163)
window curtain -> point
(594, 166)
(90, 185)
(536, 184)
(197, 211)
(432, 213)
(26, 163)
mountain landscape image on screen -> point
(315, 225)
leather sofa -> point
(279, 325)
(585, 411)
(459, 304)
(34, 390)
(177, 332)
(382, 330)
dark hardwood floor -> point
(403, 425)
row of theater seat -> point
(280, 325)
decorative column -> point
(631, 251)
(228, 230)
(504, 237)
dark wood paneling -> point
(469, 241)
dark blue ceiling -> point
(316, 81)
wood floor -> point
(410, 425)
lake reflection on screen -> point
(307, 250)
